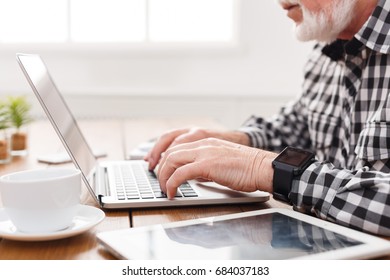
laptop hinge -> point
(102, 182)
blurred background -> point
(222, 59)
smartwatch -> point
(291, 162)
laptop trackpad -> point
(206, 188)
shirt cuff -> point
(309, 191)
(256, 136)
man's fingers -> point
(180, 175)
(162, 145)
(171, 162)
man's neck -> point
(362, 11)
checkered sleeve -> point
(288, 128)
(358, 199)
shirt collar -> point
(374, 34)
(339, 48)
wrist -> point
(265, 171)
(236, 137)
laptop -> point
(122, 183)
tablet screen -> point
(268, 236)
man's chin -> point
(319, 36)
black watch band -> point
(282, 182)
(289, 163)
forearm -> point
(288, 128)
(357, 199)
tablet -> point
(264, 234)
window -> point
(104, 21)
(33, 21)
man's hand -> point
(233, 165)
(187, 135)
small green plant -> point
(19, 115)
(19, 111)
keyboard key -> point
(132, 194)
(147, 195)
(133, 197)
(160, 195)
(190, 194)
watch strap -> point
(282, 181)
(289, 163)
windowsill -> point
(127, 49)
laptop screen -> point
(58, 112)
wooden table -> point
(117, 137)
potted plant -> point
(5, 147)
(19, 109)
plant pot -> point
(5, 149)
(19, 143)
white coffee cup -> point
(42, 200)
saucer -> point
(86, 218)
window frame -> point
(134, 48)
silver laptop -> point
(117, 184)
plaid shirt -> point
(343, 115)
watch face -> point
(295, 157)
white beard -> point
(322, 28)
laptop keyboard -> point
(135, 181)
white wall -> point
(226, 83)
